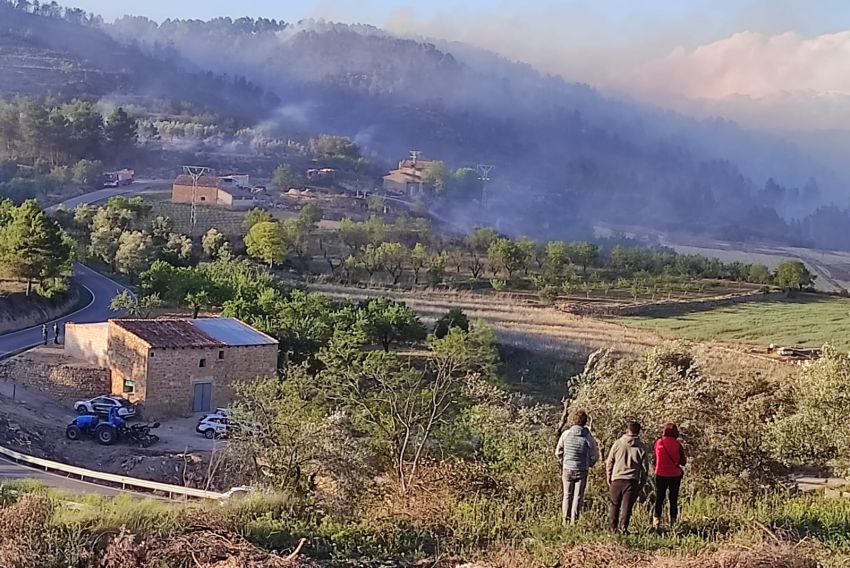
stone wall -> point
(19, 312)
(66, 379)
(172, 374)
(127, 356)
(204, 195)
(165, 378)
(87, 342)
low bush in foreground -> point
(40, 528)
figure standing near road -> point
(627, 469)
(44, 333)
(577, 453)
(56, 333)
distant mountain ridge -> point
(579, 152)
(565, 154)
(45, 56)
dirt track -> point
(34, 423)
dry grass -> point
(615, 555)
(551, 332)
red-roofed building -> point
(229, 191)
(175, 366)
(407, 178)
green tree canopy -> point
(134, 253)
(283, 177)
(508, 254)
(584, 254)
(793, 275)
(33, 246)
(266, 242)
(255, 216)
(326, 145)
(387, 322)
(213, 242)
(122, 131)
(88, 173)
(437, 174)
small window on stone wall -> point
(202, 363)
(129, 386)
(151, 353)
(221, 354)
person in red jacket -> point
(669, 460)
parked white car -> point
(101, 406)
(220, 412)
(215, 426)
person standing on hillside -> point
(670, 459)
(627, 469)
(577, 453)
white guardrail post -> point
(122, 480)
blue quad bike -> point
(111, 429)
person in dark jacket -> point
(577, 453)
(670, 458)
(627, 469)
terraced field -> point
(808, 319)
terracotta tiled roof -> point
(401, 177)
(202, 332)
(203, 181)
(168, 333)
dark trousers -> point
(663, 486)
(622, 496)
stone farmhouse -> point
(230, 192)
(174, 366)
(407, 178)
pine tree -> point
(122, 131)
(32, 246)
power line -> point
(484, 171)
(195, 172)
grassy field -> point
(808, 319)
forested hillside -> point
(62, 53)
(564, 152)
(566, 156)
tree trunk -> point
(29, 286)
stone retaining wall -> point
(19, 312)
(70, 381)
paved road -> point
(102, 290)
(12, 471)
(104, 194)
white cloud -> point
(750, 64)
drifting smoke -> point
(565, 152)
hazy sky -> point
(752, 60)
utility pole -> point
(484, 171)
(195, 172)
(414, 158)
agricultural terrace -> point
(806, 319)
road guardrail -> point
(118, 480)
